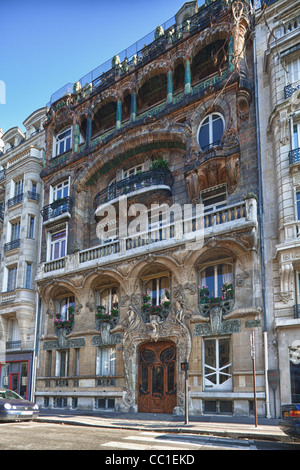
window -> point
(15, 231)
(217, 364)
(214, 277)
(214, 198)
(30, 227)
(11, 278)
(13, 334)
(106, 361)
(18, 187)
(60, 191)
(210, 131)
(58, 244)
(64, 307)
(108, 297)
(63, 141)
(28, 274)
(293, 68)
(296, 136)
(298, 204)
(157, 289)
(133, 171)
(62, 363)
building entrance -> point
(157, 377)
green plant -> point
(160, 164)
(102, 314)
(61, 323)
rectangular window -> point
(65, 306)
(214, 198)
(11, 278)
(60, 191)
(77, 355)
(298, 204)
(293, 68)
(15, 231)
(30, 227)
(106, 361)
(28, 275)
(62, 362)
(58, 245)
(19, 187)
(217, 364)
(296, 136)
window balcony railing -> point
(141, 181)
(12, 245)
(297, 311)
(290, 89)
(33, 195)
(57, 208)
(13, 344)
(15, 200)
(294, 156)
(2, 174)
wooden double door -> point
(157, 377)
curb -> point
(174, 430)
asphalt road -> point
(48, 436)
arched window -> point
(216, 282)
(211, 130)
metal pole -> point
(254, 378)
(186, 397)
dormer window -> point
(63, 141)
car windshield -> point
(9, 394)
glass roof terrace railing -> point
(145, 49)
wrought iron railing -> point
(289, 90)
(15, 200)
(13, 344)
(294, 156)
(12, 245)
(145, 179)
(33, 195)
(57, 208)
(297, 311)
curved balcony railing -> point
(57, 208)
(140, 181)
(294, 156)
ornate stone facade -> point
(173, 126)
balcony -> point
(289, 90)
(58, 209)
(145, 181)
(15, 200)
(13, 344)
(297, 311)
(12, 245)
(242, 215)
(294, 156)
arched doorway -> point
(157, 377)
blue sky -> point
(46, 44)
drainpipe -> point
(260, 208)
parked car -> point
(13, 407)
(290, 420)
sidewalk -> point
(222, 426)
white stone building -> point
(21, 161)
(278, 72)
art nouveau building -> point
(278, 62)
(21, 159)
(126, 304)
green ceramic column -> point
(170, 87)
(133, 107)
(119, 114)
(88, 131)
(187, 77)
(76, 138)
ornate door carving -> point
(157, 377)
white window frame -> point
(57, 141)
(215, 266)
(7, 280)
(218, 371)
(295, 135)
(158, 294)
(293, 67)
(107, 299)
(28, 275)
(64, 305)
(210, 118)
(133, 170)
(63, 187)
(58, 363)
(51, 243)
(106, 361)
